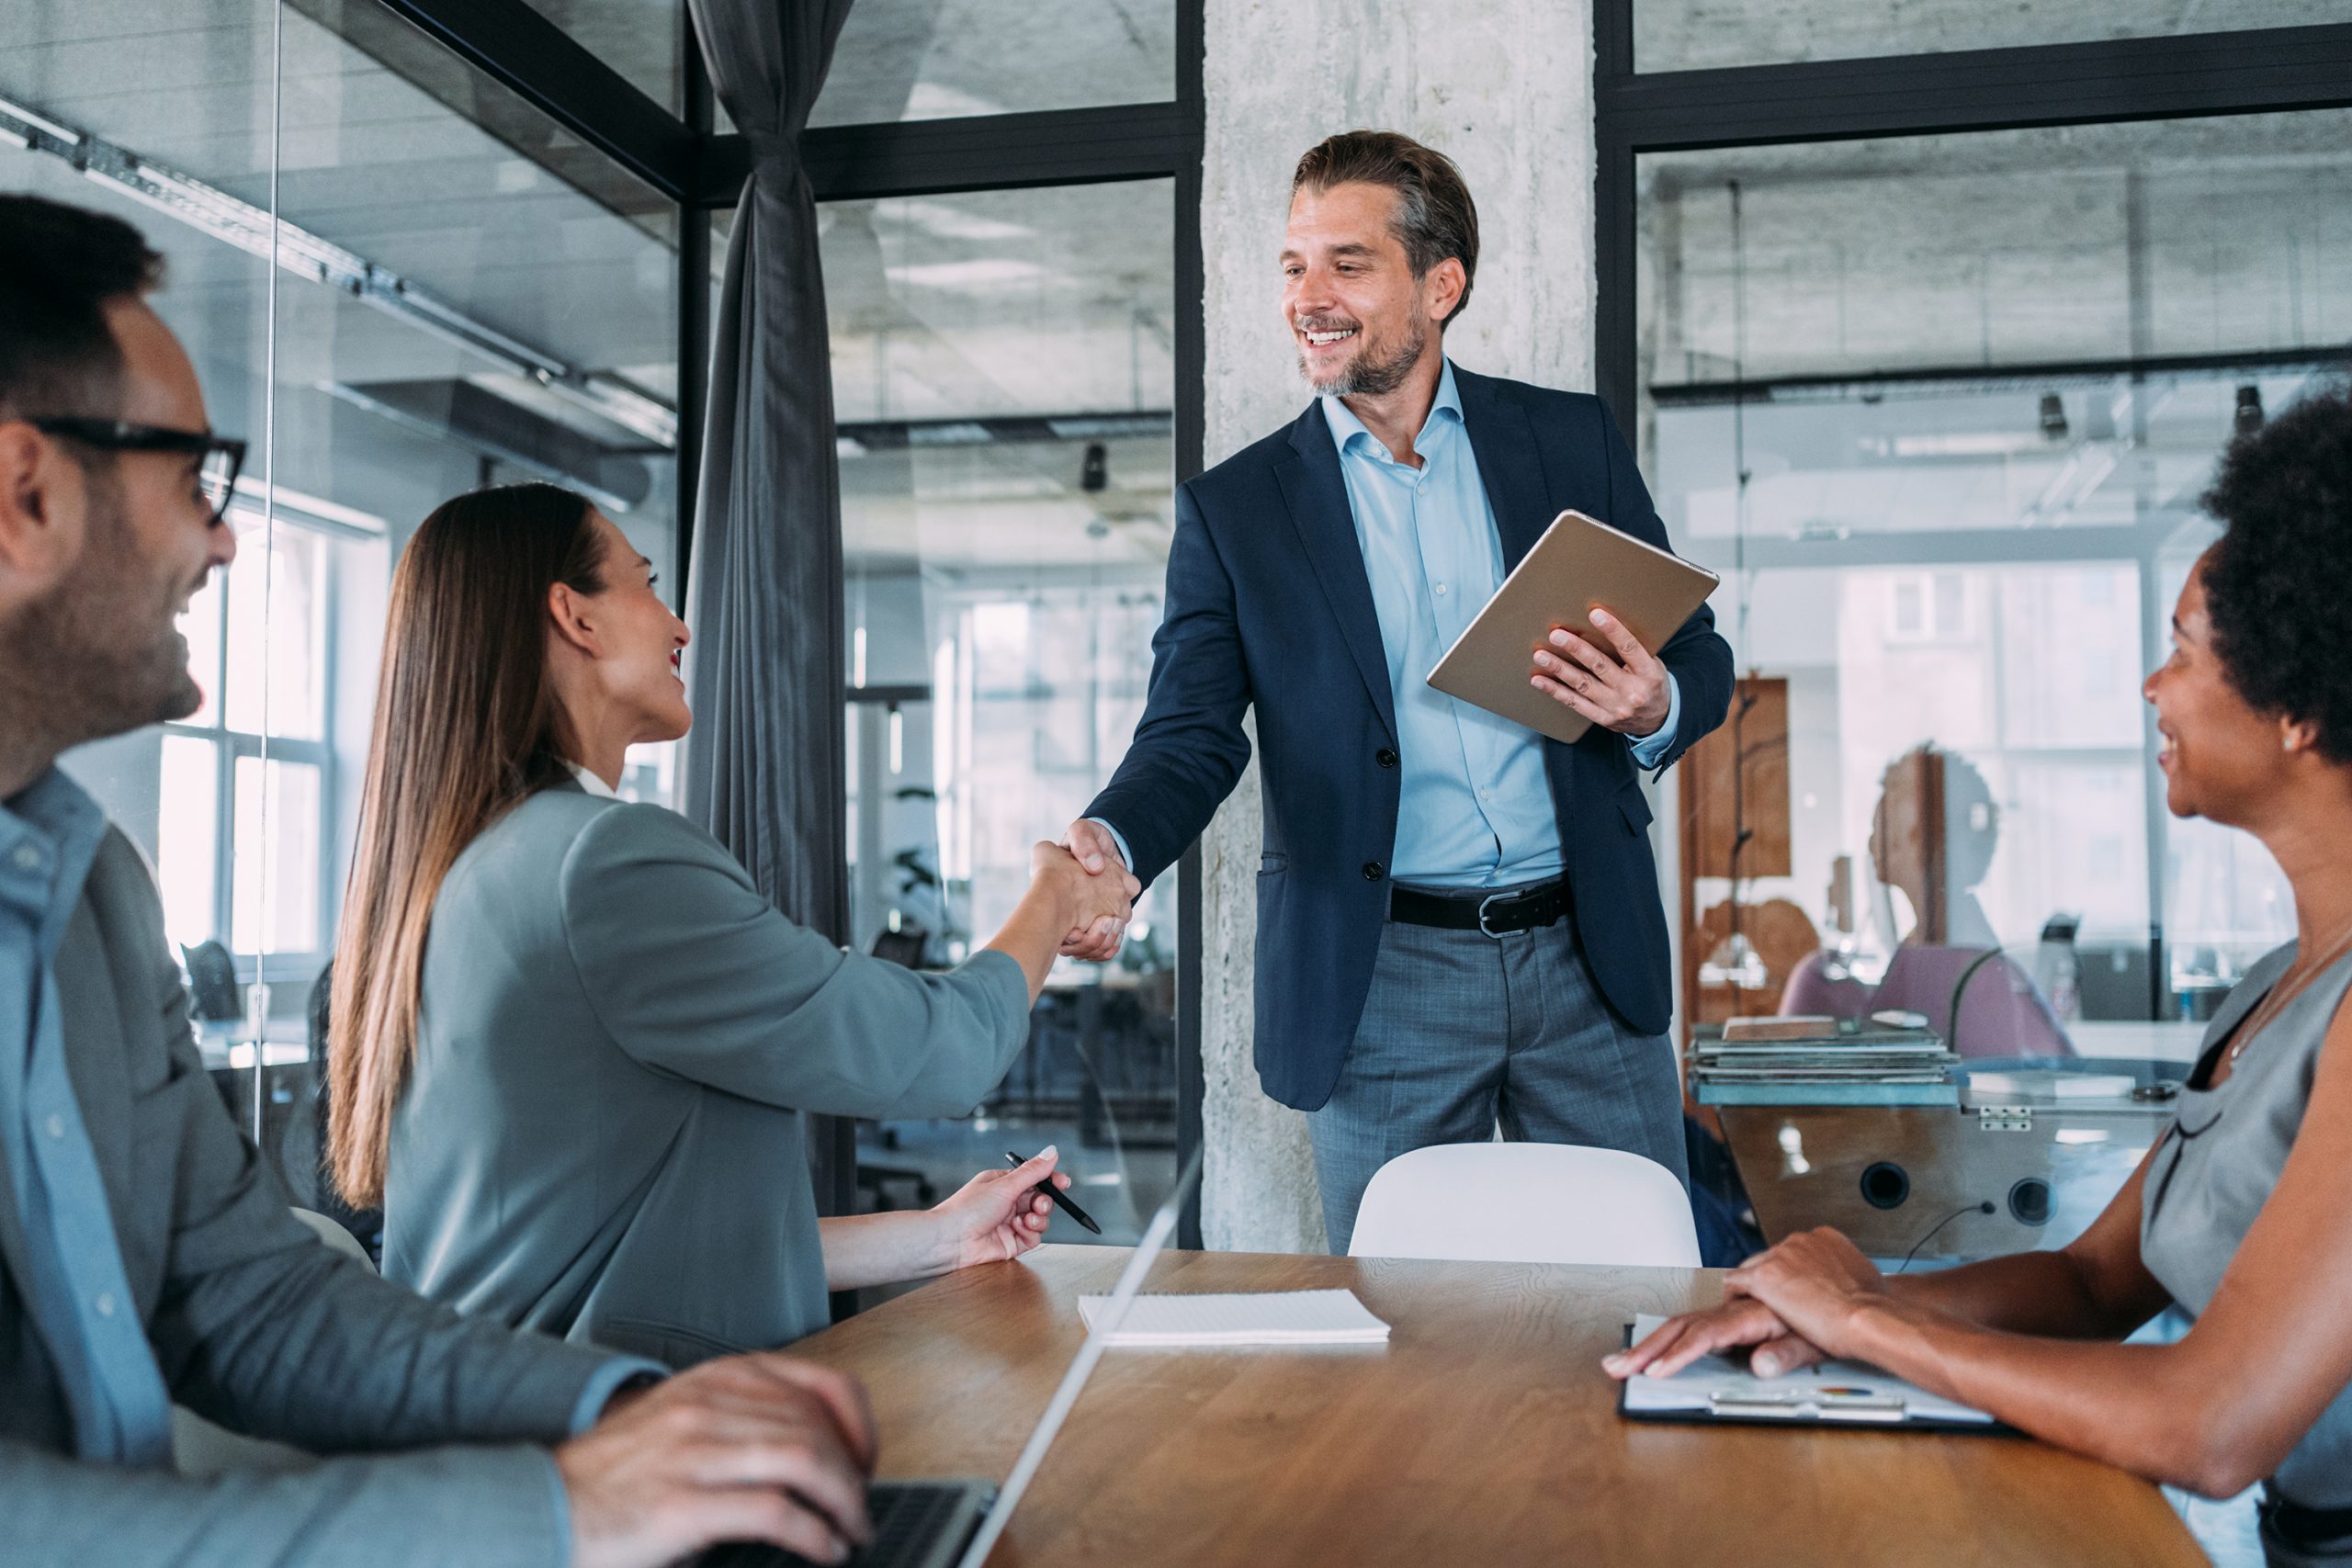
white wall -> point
(1505, 88)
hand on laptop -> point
(1621, 687)
(753, 1448)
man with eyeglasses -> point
(146, 1254)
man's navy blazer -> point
(1269, 605)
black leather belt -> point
(1495, 914)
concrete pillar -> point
(1505, 88)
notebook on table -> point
(1267, 1317)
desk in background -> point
(1485, 1432)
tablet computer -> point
(1577, 564)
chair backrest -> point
(1527, 1203)
(2002, 1013)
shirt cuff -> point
(607, 1382)
(1650, 748)
(1119, 839)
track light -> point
(1094, 473)
(2248, 418)
(2054, 417)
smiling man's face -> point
(1357, 315)
(147, 545)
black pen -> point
(1050, 1191)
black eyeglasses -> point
(219, 457)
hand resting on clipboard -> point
(1579, 566)
(1826, 1394)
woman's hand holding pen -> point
(1795, 1303)
(999, 1214)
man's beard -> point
(1372, 374)
(100, 655)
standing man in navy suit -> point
(1458, 918)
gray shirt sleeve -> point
(692, 972)
(499, 1508)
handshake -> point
(1092, 882)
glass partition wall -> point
(1003, 370)
(1942, 410)
(1941, 407)
(407, 266)
(441, 302)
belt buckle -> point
(1489, 902)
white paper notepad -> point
(1268, 1317)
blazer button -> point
(1384, 757)
(1374, 871)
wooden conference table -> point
(1485, 1432)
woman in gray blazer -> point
(2237, 1216)
(571, 1042)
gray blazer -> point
(602, 1135)
(259, 1327)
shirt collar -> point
(49, 833)
(1346, 427)
(590, 782)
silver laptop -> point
(955, 1524)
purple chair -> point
(2001, 1014)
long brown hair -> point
(466, 726)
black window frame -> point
(683, 158)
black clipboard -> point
(1850, 1417)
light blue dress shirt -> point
(79, 1294)
(1475, 806)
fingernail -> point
(1048, 1149)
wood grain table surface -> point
(1483, 1433)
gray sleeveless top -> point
(2212, 1176)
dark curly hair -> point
(2278, 583)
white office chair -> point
(201, 1448)
(1527, 1203)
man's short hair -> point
(1435, 217)
(59, 267)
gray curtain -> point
(763, 765)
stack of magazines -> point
(1821, 1061)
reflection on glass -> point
(276, 631)
(274, 896)
(943, 59)
(534, 253)
(640, 38)
(1942, 410)
(188, 838)
(1683, 35)
(1003, 374)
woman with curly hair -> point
(2237, 1215)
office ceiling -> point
(1855, 257)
